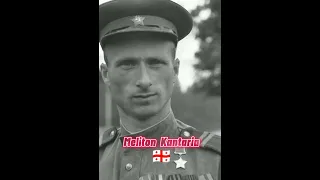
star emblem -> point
(138, 20)
(180, 163)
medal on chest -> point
(180, 163)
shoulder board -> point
(107, 136)
(209, 140)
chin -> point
(145, 111)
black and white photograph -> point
(160, 89)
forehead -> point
(138, 44)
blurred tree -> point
(209, 54)
(197, 110)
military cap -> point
(160, 16)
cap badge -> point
(138, 20)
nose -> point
(144, 81)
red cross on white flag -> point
(161, 156)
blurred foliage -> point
(197, 110)
(209, 54)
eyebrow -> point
(132, 59)
(127, 59)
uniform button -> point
(186, 133)
(112, 133)
(128, 166)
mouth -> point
(144, 95)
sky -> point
(185, 51)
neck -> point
(133, 125)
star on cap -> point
(138, 20)
(180, 163)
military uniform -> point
(118, 163)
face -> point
(141, 73)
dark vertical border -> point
(251, 85)
(53, 89)
(263, 127)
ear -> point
(104, 73)
(176, 65)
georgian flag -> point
(161, 156)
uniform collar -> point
(167, 127)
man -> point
(139, 39)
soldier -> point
(139, 40)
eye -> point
(156, 62)
(127, 65)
